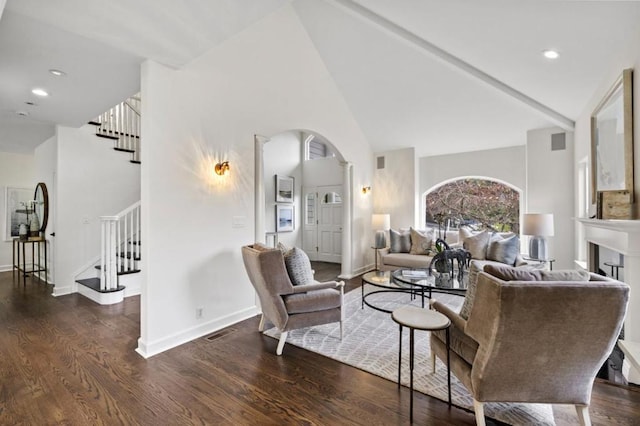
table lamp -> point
(538, 226)
(380, 223)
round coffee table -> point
(415, 282)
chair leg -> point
(283, 338)
(433, 362)
(261, 325)
(583, 415)
(478, 407)
(341, 329)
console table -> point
(20, 257)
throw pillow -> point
(284, 249)
(298, 266)
(509, 273)
(477, 245)
(474, 270)
(400, 241)
(503, 250)
(420, 241)
(566, 275)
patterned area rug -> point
(370, 343)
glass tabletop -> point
(422, 277)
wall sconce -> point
(366, 190)
(222, 169)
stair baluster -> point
(120, 245)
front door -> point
(330, 224)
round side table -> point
(420, 319)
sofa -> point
(532, 336)
(415, 248)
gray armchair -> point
(534, 341)
(286, 306)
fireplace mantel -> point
(622, 236)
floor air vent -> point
(219, 334)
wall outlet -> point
(199, 313)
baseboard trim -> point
(147, 350)
(62, 291)
(6, 268)
(109, 298)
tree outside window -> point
(479, 203)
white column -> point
(347, 202)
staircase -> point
(119, 258)
(121, 124)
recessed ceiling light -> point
(31, 103)
(550, 54)
(57, 73)
(22, 113)
(40, 92)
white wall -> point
(265, 80)
(550, 186)
(395, 188)
(92, 180)
(46, 158)
(282, 156)
(16, 170)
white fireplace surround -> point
(622, 236)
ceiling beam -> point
(430, 48)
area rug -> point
(370, 343)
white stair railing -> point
(123, 122)
(120, 245)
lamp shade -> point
(538, 224)
(380, 222)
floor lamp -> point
(380, 223)
(539, 226)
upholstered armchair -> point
(534, 341)
(286, 306)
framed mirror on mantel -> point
(612, 151)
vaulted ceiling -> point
(441, 76)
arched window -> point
(480, 203)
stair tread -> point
(115, 138)
(135, 161)
(105, 131)
(123, 271)
(124, 150)
(94, 284)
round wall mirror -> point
(41, 196)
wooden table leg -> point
(24, 264)
(400, 357)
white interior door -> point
(329, 202)
(310, 222)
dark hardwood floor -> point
(69, 361)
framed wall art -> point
(284, 189)
(284, 218)
(17, 210)
(612, 139)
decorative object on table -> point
(443, 262)
(15, 210)
(613, 205)
(284, 218)
(539, 226)
(23, 232)
(284, 189)
(380, 223)
(612, 141)
(34, 225)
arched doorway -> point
(327, 176)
